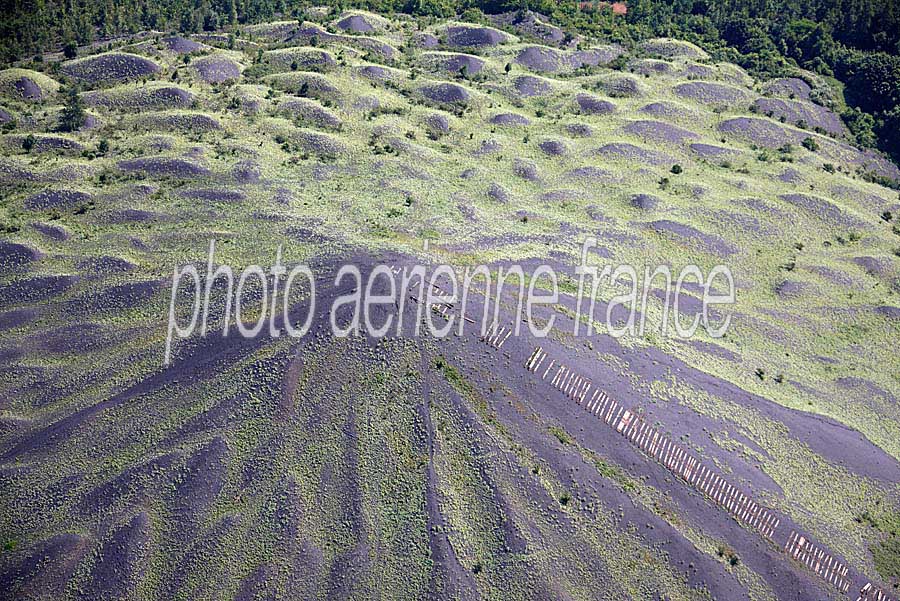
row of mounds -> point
(113, 68)
(766, 133)
(163, 96)
(311, 114)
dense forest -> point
(856, 42)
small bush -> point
(560, 434)
(676, 169)
(728, 554)
(810, 144)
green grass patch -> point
(560, 434)
(885, 552)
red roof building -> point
(618, 8)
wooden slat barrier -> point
(870, 592)
(816, 559)
(497, 337)
(677, 459)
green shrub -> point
(73, 115)
(560, 434)
(728, 554)
(886, 556)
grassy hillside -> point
(410, 468)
